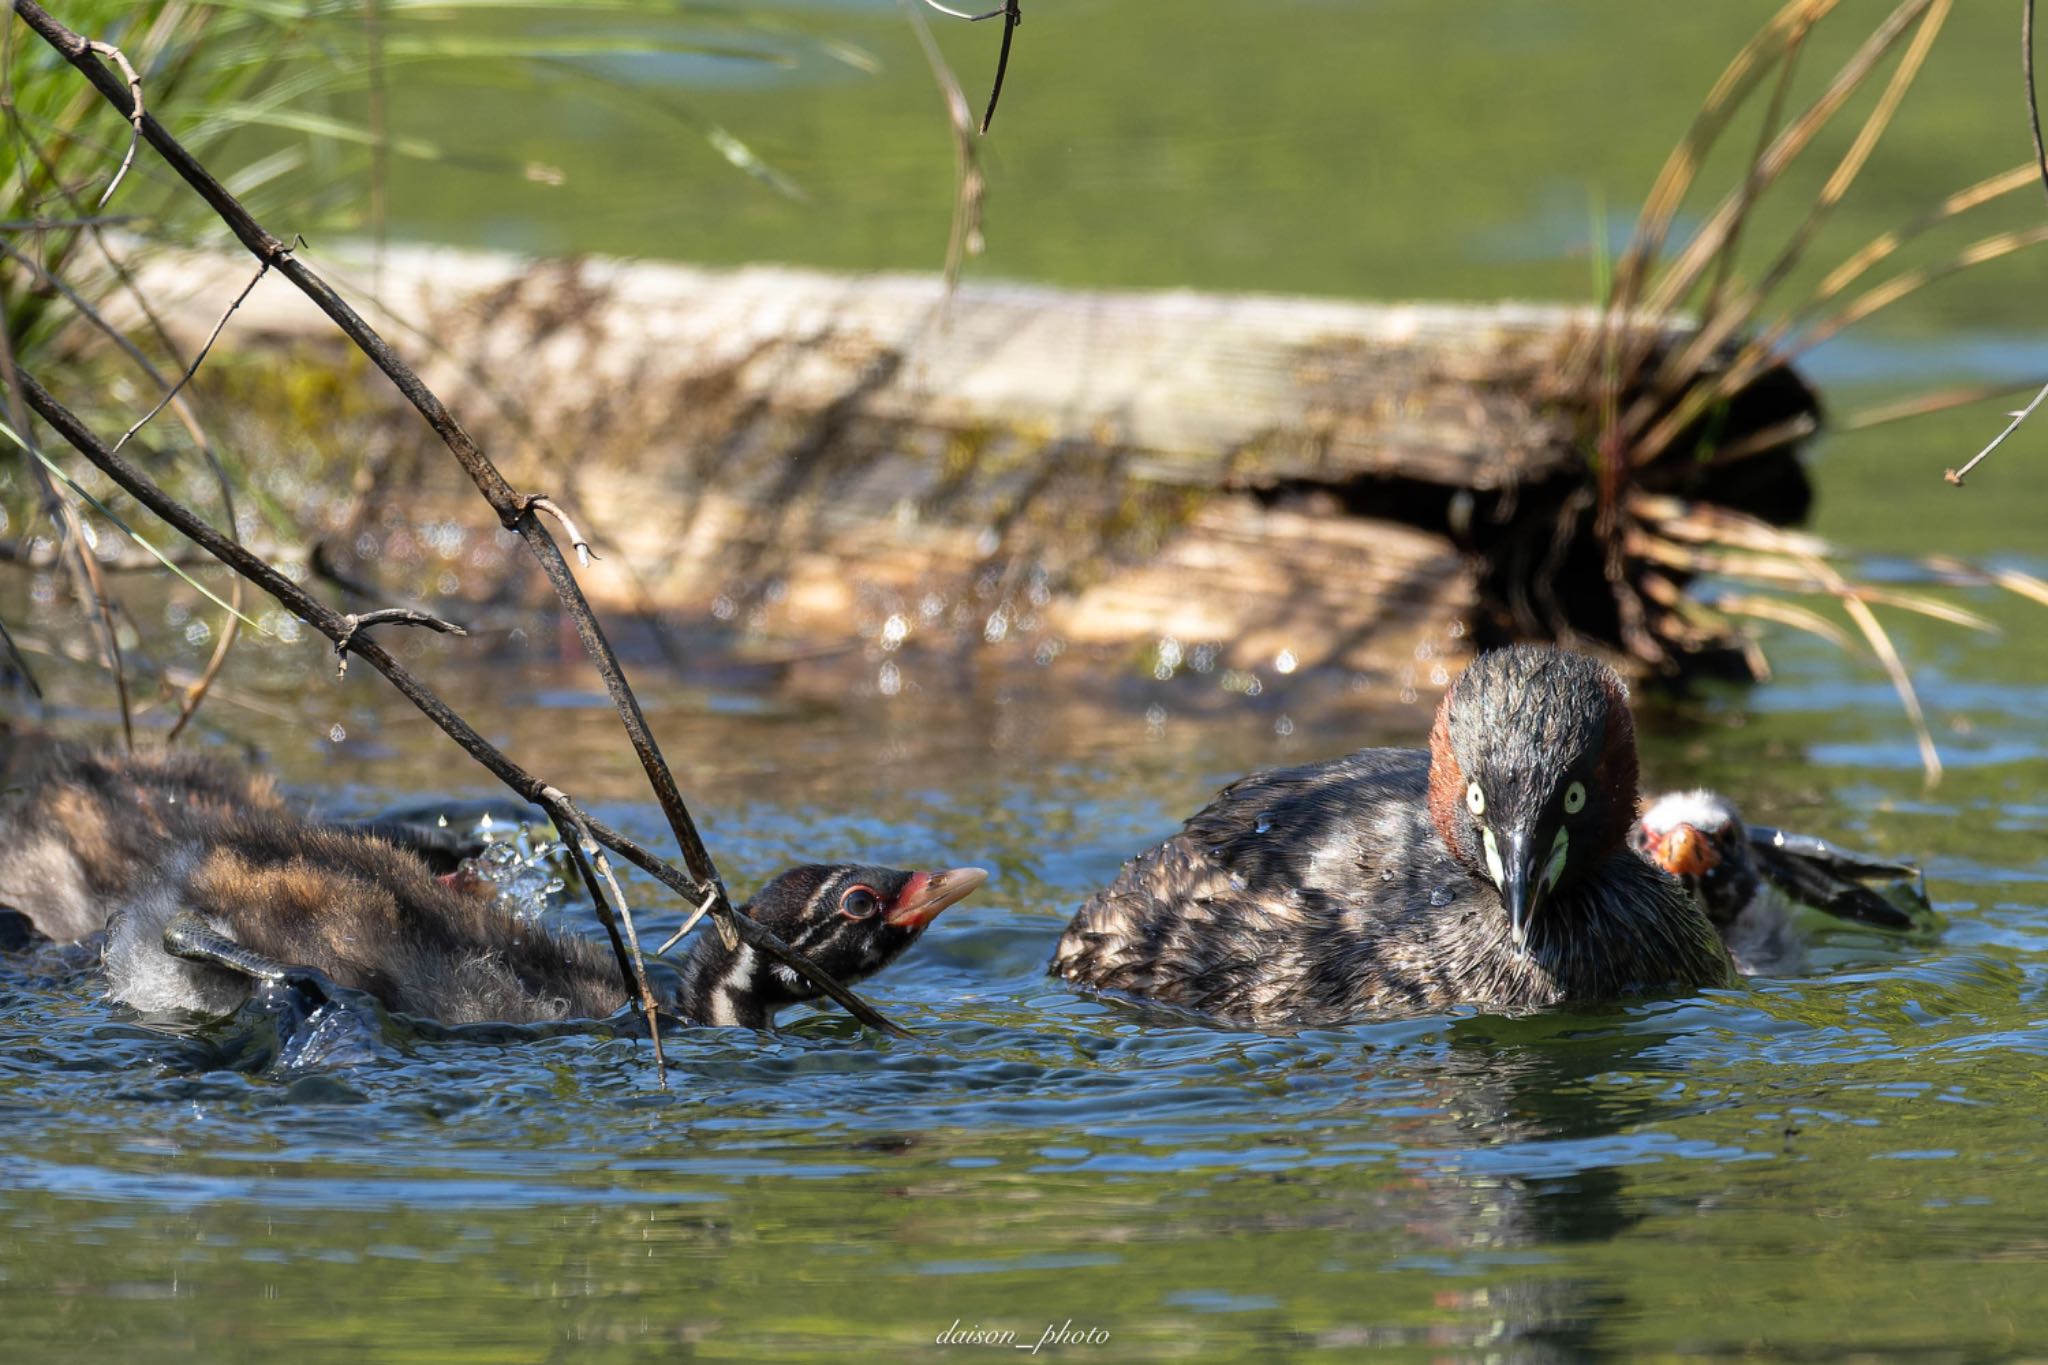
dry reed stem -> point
(1718, 328)
(1682, 166)
(964, 236)
(1879, 248)
(88, 584)
(1787, 614)
(1767, 349)
(1924, 404)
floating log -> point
(832, 460)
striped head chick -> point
(850, 920)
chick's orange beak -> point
(1684, 852)
(927, 893)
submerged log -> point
(828, 460)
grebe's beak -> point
(928, 893)
(1526, 865)
(1520, 889)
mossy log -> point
(829, 459)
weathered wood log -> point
(833, 459)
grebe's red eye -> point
(859, 902)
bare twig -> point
(598, 880)
(2027, 81)
(390, 616)
(1013, 15)
(135, 114)
(197, 360)
(1011, 12)
(1956, 476)
(679, 935)
(540, 502)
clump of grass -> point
(1655, 406)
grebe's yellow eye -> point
(1475, 799)
(1574, 798)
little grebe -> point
(1749, 878)
(1493, 869)
(205, 880)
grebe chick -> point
(1492, 869)
(1749, 878)
(372, 917)
(82, 829)
(210, 882)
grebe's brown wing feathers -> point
(81, 831)
(367, 915)
(1251, 911)
(1320, 825)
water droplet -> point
(1386, 874)
(338, 733)
(1264, 825)
(1440, 895)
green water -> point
(1846, 1163)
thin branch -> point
(389, 616)
(540, 502)
(135, 115)
(197, 360)
(1956, 476)
(597, 879)
(1013, 15)
(679, 935)
(2027, 80)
